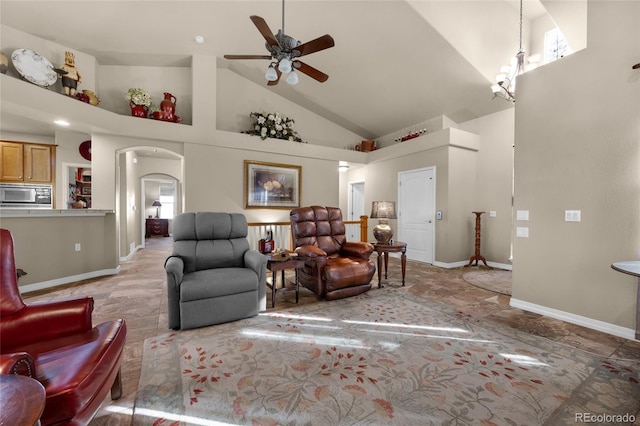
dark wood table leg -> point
(386, 264)
(380, 267)
(403, 259)
(274, 275)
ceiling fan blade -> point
(276, 81)
(247, 56)
(316, 45)
(264, 29)
(310, 71)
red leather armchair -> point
(56, 344)
(334, 267)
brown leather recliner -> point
(56, 344)
(334, 267)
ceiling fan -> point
(284, 51)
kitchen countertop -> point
(4, 212)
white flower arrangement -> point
(138, 96)
(273, 125)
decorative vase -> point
(93, 99)
(367, 146)
(168, 105)
(138, 110)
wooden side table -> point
(22, 400)
(631, 267)
(383, 250)
(276, 263)
(157, 226)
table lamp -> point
(383, 210)
(157, 205)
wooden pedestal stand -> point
(477, 256)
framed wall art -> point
(271, 185)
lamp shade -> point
(156, 203)
(383, 210)
(285, 65)
(292, 78)
(271, 74)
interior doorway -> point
(356, 209)
(416, 207)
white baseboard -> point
(133, 249)
(66, 280)
(605, 327)
(452, 265)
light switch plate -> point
(522, 232)
(439, 215)
(492, 213)
(522, 215)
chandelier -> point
(505, 86)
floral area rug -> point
(380, 358)
(493, 280)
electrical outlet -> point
(572, 215)
(78, 248)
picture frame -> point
(86, 190)
(271, 185)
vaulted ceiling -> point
(395, 63)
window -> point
(555, 46)
(168, 201)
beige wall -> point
(45, 247)
(237, 97)
(214, 180)
(577, 148)
(494, 181)
(455, 154)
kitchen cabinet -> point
(24, 162)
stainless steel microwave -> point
(26, 196)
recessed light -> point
(199, 39)
(62, 122)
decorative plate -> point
(85, 150)
(33, 67)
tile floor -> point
(138, 295)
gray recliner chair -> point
(212, 276)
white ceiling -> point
(395, 63)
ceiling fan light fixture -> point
(271, 74)
(292, 78)
(285, 65)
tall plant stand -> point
(477, 256)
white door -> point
(416, 213)
(356, 209)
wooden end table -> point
(631, 267)
(276, 263)
(383, 250)
(22, 400)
